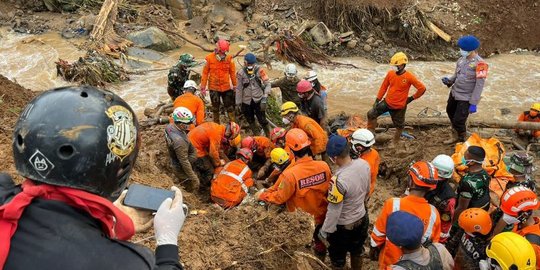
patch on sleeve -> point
(334, 195)
(481, 70)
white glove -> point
(169, 219)
(484, 265)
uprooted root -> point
(92, 69)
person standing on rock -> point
(346, 225)
(467, 85)
(179, 74)
(394, 96)
(219, 75)
(252, 94)
(75, 163)
(181, 151)
(287, 85)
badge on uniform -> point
(334, 195)
(445, 217)
(481, 70)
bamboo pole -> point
(413, 121)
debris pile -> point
(92, 69)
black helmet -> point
(79, 137)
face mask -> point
(510, 219)
(397, 68)
(285, 120)
(406, 192)
(464, 53)
(332, 159)
(463, 161)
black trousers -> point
(252, 110)
(458, 112)
(344, 241)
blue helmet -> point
(468, 43)
(336, 145)
(250, 58)
(404, 230)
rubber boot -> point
(215, 115)
(231, 116)
(397, 135)
(371, 125)
(266, 130)
(356, 262)
(453, 138)
(462, 137)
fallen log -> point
(418, 122)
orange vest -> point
(533, 230)
(193, 103)
(303, 185)
(219, 74)
(417, 206)
(373, 159)
(206, 139)
(525, 117)
(231, 184)
(315, 132)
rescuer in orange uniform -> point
(395, 91)
(317, 135)
(192, 102)
(362, 141)
(261, 148)
(219, 74)
(423, 177)
(532, 115)
(303, 185)
(233, 181)
(207, 139)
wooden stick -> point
(309, 256)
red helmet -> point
(249, 143)
(518, 199)
(222, 45)
(277, 133)
(303, 86)
(424, 174)
(245, 153)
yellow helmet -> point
(279, 156)
(399, 59)
(236, 141)
(536, 106)
(511, 249)
(288, 107)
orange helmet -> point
(475, 220)
(277, 133)
(222, 45)
(245, 153)
(518, 199)
(233, 129)
(297, 139)
(249, 143)
(424, 174)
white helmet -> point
(445, 165)
(362, 137)
(290, 70)
(182, 115)
(189, 84)
(312, 75)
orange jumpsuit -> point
(231, 184)
(264, 146)
(396, 87)
(193, 103)
(206, 139)
(417, 206)
(303, 185)
(219, 75)
(315, 132)
(525, 117)
(530, 233)
(373, 159)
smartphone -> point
(145, 197)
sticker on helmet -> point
(122, 134)
(41, 163)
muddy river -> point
(513, 81)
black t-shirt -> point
(314, 108)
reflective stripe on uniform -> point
(396, 204)
(432, 219)
(377, 232)
(237, 177)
